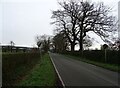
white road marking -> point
(57, 72)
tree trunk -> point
(72, 47)
(81, 43)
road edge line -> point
(57, 72)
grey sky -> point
(22, 20)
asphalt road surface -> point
(77, 73)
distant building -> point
(8, 48)
(119, 19)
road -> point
(77, 73)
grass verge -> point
(42, 75)
(112, 67)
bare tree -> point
(66, 24)
(43, 42)
(60, 42)
(39, 41)
(82, 17)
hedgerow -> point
(16, 65)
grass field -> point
(112, 67)
(43, 74)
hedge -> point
(16, 65)
(112, 57)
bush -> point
(16, 65)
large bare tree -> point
(66, 24)
(76, 18)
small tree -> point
(43, 42)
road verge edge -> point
(57, 72)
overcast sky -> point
(22, 20)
